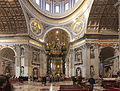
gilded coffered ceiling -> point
(12, 19)
(103, 17)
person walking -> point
(92, 82)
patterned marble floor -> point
(37, 86)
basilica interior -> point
(60, 38)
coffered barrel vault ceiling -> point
(12, 19)
(103, 17)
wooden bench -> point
(73, 90)
(44, 89)
(108, 84)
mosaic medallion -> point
(36, 27)
(78, 27)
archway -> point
(106, 61)
(57, 42)
(7, 61)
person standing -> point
(92, 82)
(5, 85)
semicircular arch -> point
(58, 28)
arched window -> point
(57, 9)
(47, 7)
(37, 2)
(66, 6)
(76, 1)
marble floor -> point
(38, 86)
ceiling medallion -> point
(35, 27)
(78, 27)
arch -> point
(58, 28)
(5, 53)
(107, 62)
(107, 50)
(7, 59)
(10, 48)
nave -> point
(37, 86)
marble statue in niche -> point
(92, 72)
(22, 51)
(107, 71)
(35, 72)
(22, 70)
(78, 71)
(8, 69)
(92, 55)
(78, 57)
(35, 56)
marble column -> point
(92, 61)
(84, 60)
(88, 62)
(43, 63)
(17, 61)
(119, 30)
(96, 62)
(29, 63)
(1, 64)
(27, 58)
(72, 58)
(117, 5)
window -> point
(66, 6)
(57, 9)
(76, 1)
(37, 1)
(47, 7)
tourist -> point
(74, 80)
(5, 85)
(44, 80)
(3, 82)
(92, 82)
(50, 78)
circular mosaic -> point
(36, 27)
(78, 27)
